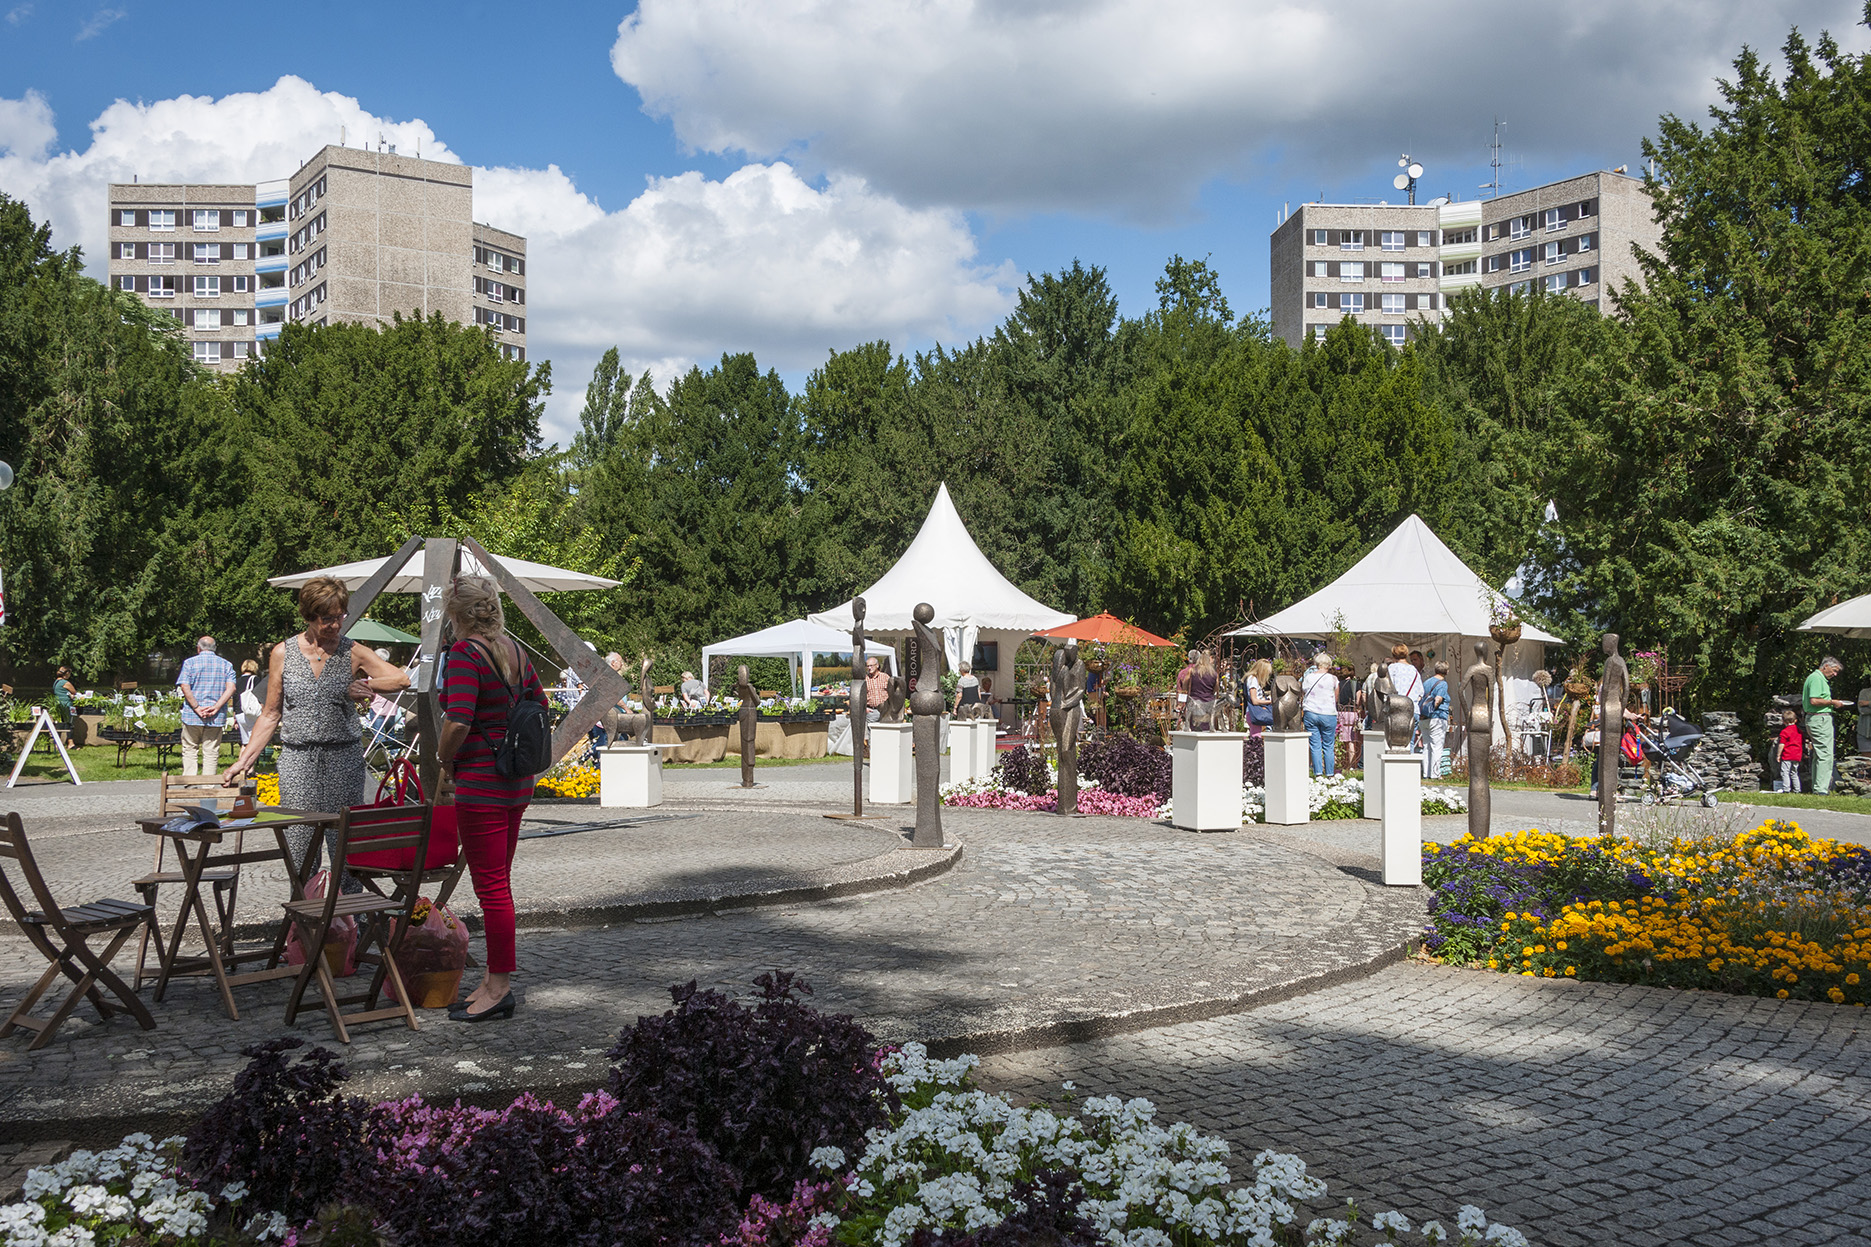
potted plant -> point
(1504, 621)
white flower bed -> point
(954, 1164)
(1324, 790)
(102, 1197)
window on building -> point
(1555, 283)
(242, 316)
(162, 287)
(1425, 238)
(1461, 269)
(207, 220)
(1392, 271)
(1393, 305)
(126, 282)
(1426, 270)
(207, 287)
(162, 253)
(1555, 252)
(1396, 335)
(242, 285)
(1520, 261)
(1456, 237)
(1318, 237)
(1351, 270)
(1555, 219)
(1391, 240)
(161, 221)
(1318, 298)
(1588, 207)
(1350, 304)
(240, 251)
(207, 352)
(1585, 277)
(1519, 227)
(1520, 287)
(240, 217)
(207, 253)
(493, 261)
(240, 351)
(126, 216)
(1585, 242)
(207, 318)
(1429, 302)
(1494, 263)
(1351, 240)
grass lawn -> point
(1800, 801)
(98, 763)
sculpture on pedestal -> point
(1478, 681)
(1613, 687)
(620, 725)
(1288, 700)
(1066, 688)
(857, 711)
(892, 711)
(750, 723)
(926, 705)
(1399, 714)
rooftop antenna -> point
(1494, 187)
(1406, 181)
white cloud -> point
(1131, 105)
(18, 13)
(760, 260)
(26, 127)
(99, 22)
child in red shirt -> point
(1791, 746)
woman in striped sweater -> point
(486, 673)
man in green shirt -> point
(1817, 701)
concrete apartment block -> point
(1376, 263)
(500, 287)
(1395, 266)
(355, 235)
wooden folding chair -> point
(175, 794)
(362, 829)
(62, 935)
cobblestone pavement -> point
(1581, 1113)
(1045, 928)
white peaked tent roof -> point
(799, 639)
(1851, 618)
(945, 568)
(535, 576)
(1410, 585)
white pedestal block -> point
(893, 765)
(1373, 774)
(963, 757)
(987, 731)
(1403, 818)
(1205, 784)
(630, 776)
(1288, 765)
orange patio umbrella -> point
(1104, 628)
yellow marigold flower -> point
(1561, 946)
(1548, 972)
(1836, 996)
(1851, 980)
(1526, 950)
(1781, 994)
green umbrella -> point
(380, 634)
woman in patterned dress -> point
(314, 682)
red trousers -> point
(489, 835)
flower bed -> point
(724, 1125)
(567, 779)
(1771, 912)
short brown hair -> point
(1399, 652)
(320, 595)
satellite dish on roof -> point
(1400, 181)
(1416, 171)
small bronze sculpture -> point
(857, 711)
(1613, 687)
(892, 711)
(1479, 682)
(1066, 688)
(926, 705)
(620, 725)
(1399, 714)
(1288, 701)
(750, 723)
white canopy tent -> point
(1413, 589)
(535, 576)
(799, 641)
(1850, 618)
(973, 602)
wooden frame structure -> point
(441, 563)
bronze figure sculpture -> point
(1288, 701)
(620, 725)
(1613, 687)
(1399, 714)
(892, 711)
(750, 723)
(926, 705)
(1478, 682)
(1066, 689)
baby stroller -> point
(1667, 745)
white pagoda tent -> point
(1413, 589)
(798, 640)
(973, 602)
(535, 576)
(1850, 618)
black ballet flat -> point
(502, 1010)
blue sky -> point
(795, 176)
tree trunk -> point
(1507, 726)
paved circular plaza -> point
(1253, 982)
